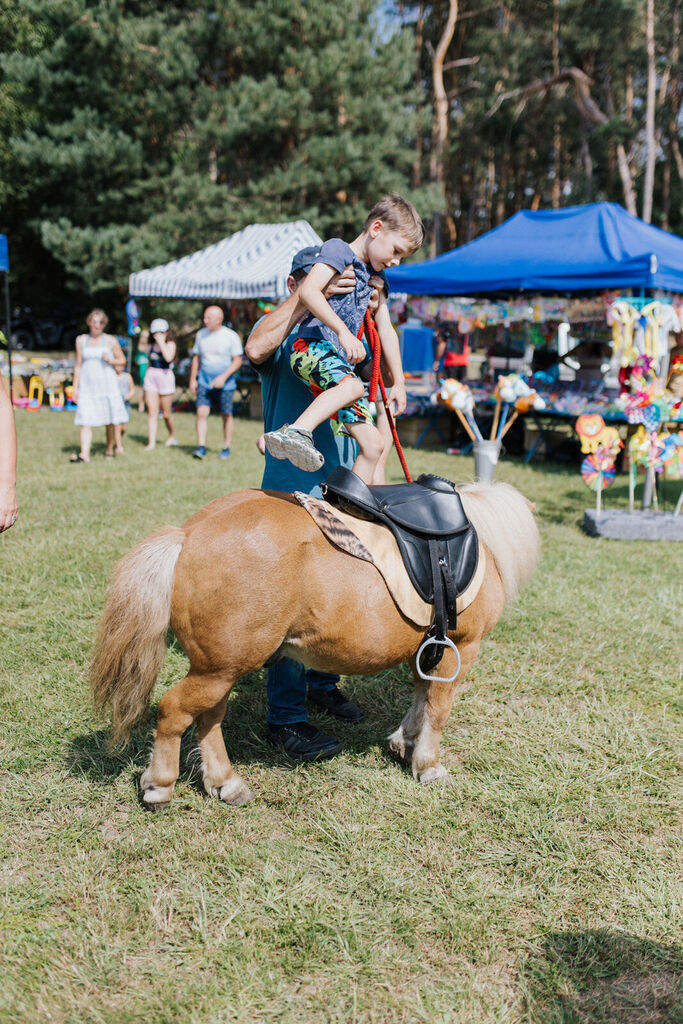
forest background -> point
(136, 132)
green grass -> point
(542, 888)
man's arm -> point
(272, 329)
(440, 349)
(269, 333)
(222, 378)
(194, 370)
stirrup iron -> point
(427, 642)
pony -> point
(250, 578)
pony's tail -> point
(131, 640)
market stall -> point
(494, 291)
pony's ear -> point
(531, 504)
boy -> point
(327, 345)
(127, 389)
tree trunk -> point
(501, 202)
(437, 168)
(557, 138)
(590, 110)
(675, 91)
(650, 141)
(666, 191)
(419, 36)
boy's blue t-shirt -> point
(338, 254)
(284, 399)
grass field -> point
(545, 886)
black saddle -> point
(438, 543)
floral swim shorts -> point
(320, 367)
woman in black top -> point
(159, 385)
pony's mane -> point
(504, 522)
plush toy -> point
(512, 390)
(458, 397)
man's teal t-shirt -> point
(284, 399)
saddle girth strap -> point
(445, 604)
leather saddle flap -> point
(410, 512)
(429, 506)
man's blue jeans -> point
(287, 685)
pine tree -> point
(159, 128)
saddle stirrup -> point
(445, 642)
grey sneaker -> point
(295, 444)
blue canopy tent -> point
(580, 248)
(4, 268)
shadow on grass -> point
(603, 977)
(89, 755)
(384, 698)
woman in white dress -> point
(96, 389)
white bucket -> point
(486, 454)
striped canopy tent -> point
(252, 264)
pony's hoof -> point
(437, 773)
(235, 791)
(154, 797)
(399, 747)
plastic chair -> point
(35, 392)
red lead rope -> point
(370, 330)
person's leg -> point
(331, 379)
(202, 424)
(286, 690)
(287, 725)
(111, 438)
(119, 429)
(323, 692)
(330, 402)
(379, 477)
(226, 400)
(370, 447)
(152, 400)
(166, 411)
(86, 443)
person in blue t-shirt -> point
(326, 349)
(284, 398)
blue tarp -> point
(576, 249)
(4, 253)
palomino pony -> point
(251, 577)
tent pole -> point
(8, 333)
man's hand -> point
(261, 444)
(397, 399)
(354, 349)
(377, 287)
(193, 387)
(218, 382)
(341, 284)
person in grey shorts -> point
(216, 358)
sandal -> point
(77, 457)
(109, 455)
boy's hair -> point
(397, 214)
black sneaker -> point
(302, 741)
(335, 703)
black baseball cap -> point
(305, 258)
